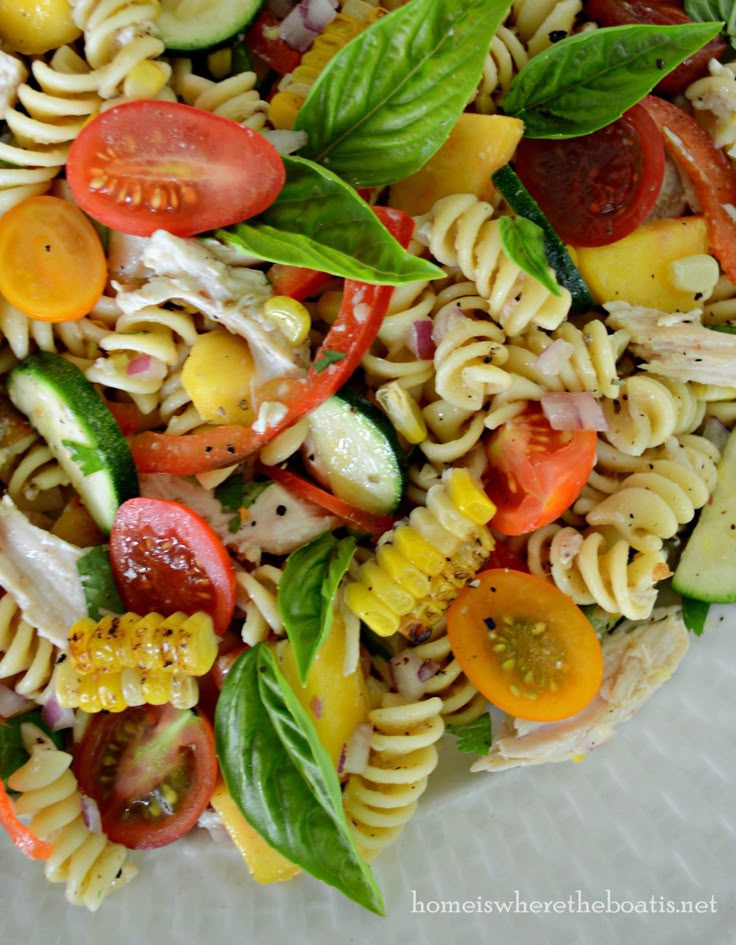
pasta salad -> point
(369, 379)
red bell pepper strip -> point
(297, 282)
(262, 38)
(21, 836)
(353, 332)
(712, 175)
(370, 522)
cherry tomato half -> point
(535, 473)
(166, 558)
(597, 188)
(151, 770)
(52, 264)
(147, 165)
(525, 645)
(659, 13)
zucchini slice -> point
(521, 201)
(82, 434)
(187, 25)
(353, 448)
(707, 567)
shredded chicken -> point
(677, 345)
(40, 571)
(637, 659)
(275, 521)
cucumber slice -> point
(354, 449)
(521, 201)
(707, 568)
(79, 429)
(186, 25)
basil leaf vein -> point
(283, 780)
(320, 222)
(588, 80)
(306, 592)
(523, 242)
(387, 101)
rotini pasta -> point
(26, 659)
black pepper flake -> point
(281, 510)
(490, 623)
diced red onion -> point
(305, 22)
(715, 431)
(318, 14)
(573, 410)
(554, 357)
(354, 759)
(427, 670)
(91, 814)
(139, 365)
(56, 717)
(410, 673)
(419, 339)
(11, 702)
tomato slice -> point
(712, 174)
(535, 473)
(525, 645)
(24, 840)
(297, 282)
(151, 770)
(52, 264)
(597, 188)
(149, 165)
(353, 332)
(659, 13)
(370, 522)
(166, 558)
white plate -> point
(645, 822)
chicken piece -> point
(637, 659)
(676, 344)
(270, 520)
(40, 571)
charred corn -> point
(421, 565)
(294, 88)
(115, 691)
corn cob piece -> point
(421, 565)
(294, 88)
(129, 660)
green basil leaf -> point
(283, 780)
(694, 614)
(473, 737)
(100, 591)
(386, 102)
(703, 11)
(586, 81)
(320, 222)
(306, 592)
(523, 242)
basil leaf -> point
(386, 102)
(306, 591)
(586, 81)
(98, 584)
(320, 222)
(473, 737)
(694, 614)
(523, 242)
(283, 780)
(704, 11)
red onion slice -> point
(91, 814)
(11, 702)
(56, 717)
(354, 758)
(554, 357)
(410, 674)
(573, 410)
(420, 341)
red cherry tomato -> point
(535, 473)
(659, 13)
(166, 558)
(597, 188)
(151, 770)
(146, 165)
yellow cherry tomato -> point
(33, 27)
(52, 264)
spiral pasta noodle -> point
(26, 659)
(506, 58)
(257, 597)
(91, 866)
(713, 98)
(235, 97)
(381, 799)
(540, 23)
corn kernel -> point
(403, 411)
(219, 62)
(418, 550)
(393, 596)
(403, 571)
(371, 610)
(282, 109)
(289, 316)
(468, 497)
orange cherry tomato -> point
(52, 264)
(525, 645)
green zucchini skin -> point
(707, 568)
(66, 410)
(521, 201)
(218, 21)
(356, 449)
